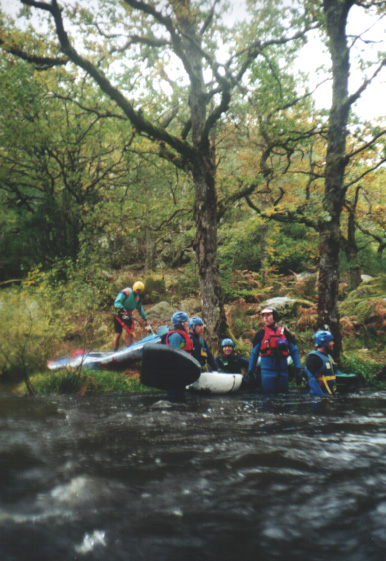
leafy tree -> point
(156, 39)
(336, 14)
(56, 162)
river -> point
(236, 477)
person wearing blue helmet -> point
(319, 366)
(229, 361)
(178, 336)
(201, 349)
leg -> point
(117, 336)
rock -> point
(366, 278)
(284, 303)
(161, 312)
(305, 275)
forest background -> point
(182, 142)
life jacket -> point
(327, 374)
(127, 292)
(200, 352)
(188, 347)
(274, 343)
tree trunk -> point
(336, 13)
(351, 251)
(205, 245)
(205, 207)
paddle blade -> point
(168, 368)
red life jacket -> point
(274, 342)
(188, 342)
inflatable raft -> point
(216, 382)
(118, 360)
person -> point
(319, 366)
(229, 361)
(127, 300)
(178, 336)
(273, 345)
(201, 350)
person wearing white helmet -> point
(127, 300)
(273, 344)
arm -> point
(253, 357)
(313, 365)
(243, 361)
(294, 352)
(118, 303)
(141, 311)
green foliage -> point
(366, 369)
(239, 245)
(78, 381)
(187, 283)
(366, 308)
(58, 383)
(234, 286)
(292, 248)
(154, 290)
(26, 334)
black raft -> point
(168, 368)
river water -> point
(236, 477)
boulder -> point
(286, 304)
(161, 312)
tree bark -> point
(336, 13)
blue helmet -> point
(227, 343)
(322, 338)
(195, 320)
(178, 318)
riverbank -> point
(46, 318)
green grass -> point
(80, 382)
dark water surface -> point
(241, 477)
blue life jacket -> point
(325, 378)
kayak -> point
(110, 360)
(216, 382)
(168, 368)
(172, 369)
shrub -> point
(366, 369)
(154, 290)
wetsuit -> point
(202, 352)
(274, 345)
(232, 363)
(125, 303)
